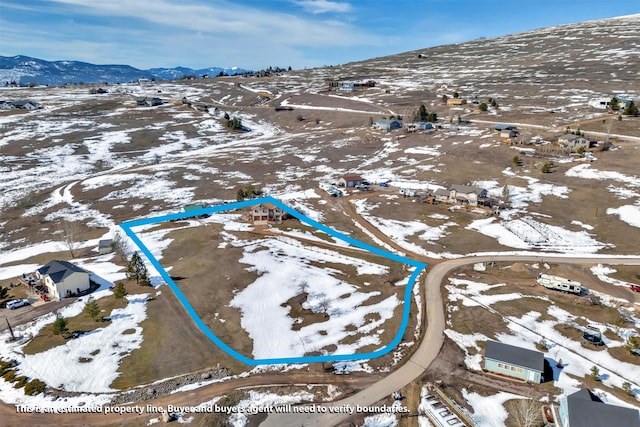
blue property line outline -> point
(419, 267)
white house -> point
(63, 279)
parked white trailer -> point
(559, 283)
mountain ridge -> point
(26, 70)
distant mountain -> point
(27, 70)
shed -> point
(104, 246)
(515, 362)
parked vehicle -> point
(559, 284)
(635, 288)
(16, 303)
(383, 184)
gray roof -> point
(59, 270)
(516, 356)
(586, 410)
(106, 243)
(466, 189)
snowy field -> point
(528, 330)
(287, 268)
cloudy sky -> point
(254, 34)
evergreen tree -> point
(614, 104)
(92, 309)
(483, 106)
(631, 109)
(422, 113)
(120, 291)
(136, 269)
(60, 326)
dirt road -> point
(430, 346)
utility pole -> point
(13, 337)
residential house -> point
(350, 181)
(501, 127)
(266, 213)
(26, 105)
(585, 409)
(515, 362)
(388, 124)
(419, 126)
(346, 87)
(573, 142)
(508, 135)
(467, 195)
(105, 246)
(456, 101)
(63, 279)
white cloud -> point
(323, 6)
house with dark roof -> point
(585, 409)
(63, 279)
(500, 127)
(514, 362)
(350, 180)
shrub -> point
(34, 387)
(20, 381)
(9, 376)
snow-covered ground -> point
(528, 330)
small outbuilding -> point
(514, 362)
(105, 246)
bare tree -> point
(70, 235)
(324, 305)
(120, 246)
(527, 411)
(303, 287)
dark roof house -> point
(63, 278)
(512, 361)
(585, 409)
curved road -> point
(430, 345)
